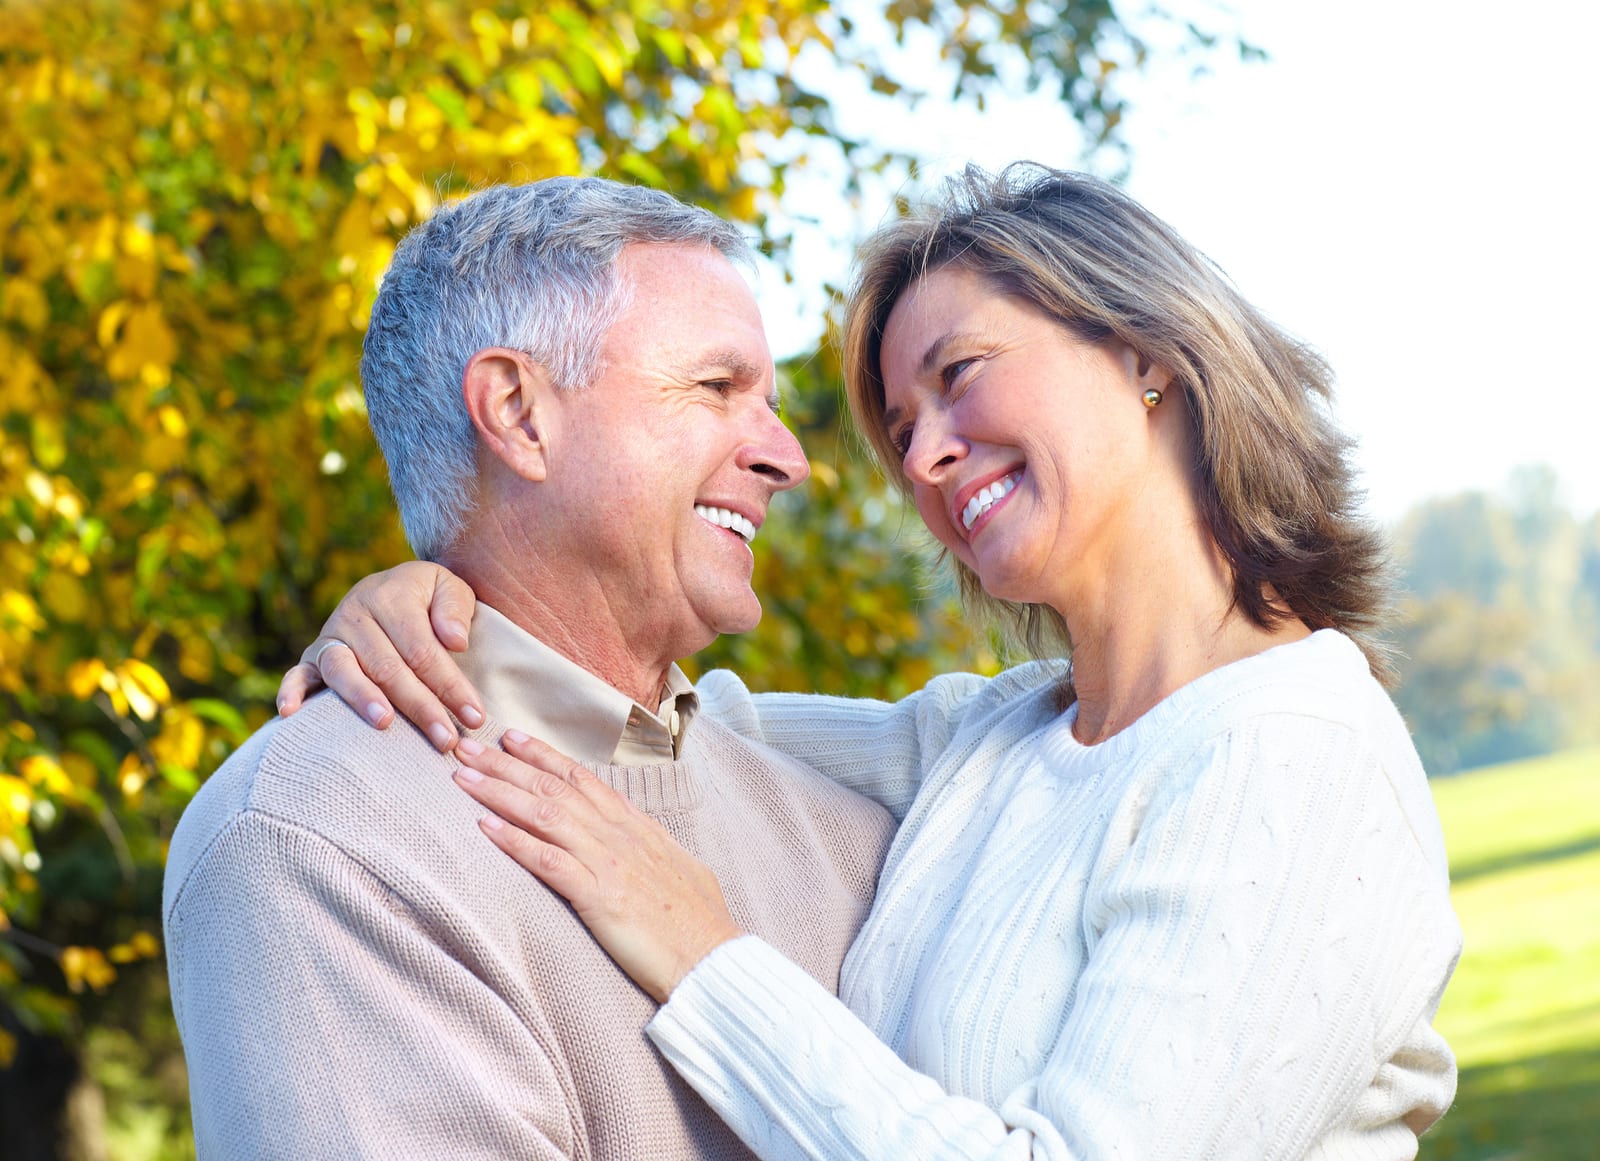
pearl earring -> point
(1152, 398)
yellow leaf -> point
(8, 1048)
(145, 348)
(20, 610)
(142, 945)
(111, 322)
(41, 770)
(84, 677)
(86, 965)
(24, 301)
(41, 489)
(131, 775)
(172, 421)
(16, 802)
(65, 596)
(181, 738)
(142, 705)
(149, 679)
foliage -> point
(1523, 1011)
(196, 199)
(1500, 626)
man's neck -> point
(578, 625)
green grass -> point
(1523, 1011)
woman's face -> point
(1030, 452)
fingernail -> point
(470, 715)
(471, 747)
(458, 629)
(491, 822)
(468, 774)
(375, 713)
(517, 737)
(440, 734)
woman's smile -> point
(983, 499)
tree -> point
(196, 200)
(1500, 631)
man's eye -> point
(720, 386)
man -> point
(573, 391)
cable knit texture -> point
(1222, 933)
(358, 972)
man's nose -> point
(776, 454)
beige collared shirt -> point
(529, 686)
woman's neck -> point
(1119, 679)
(1147, 631)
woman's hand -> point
(388, 645)
(654, 908)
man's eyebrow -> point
(734, 364)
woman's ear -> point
(1150, 375)
(508, 396)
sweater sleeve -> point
(321, 1017)
(879, 749)
(1267, 946)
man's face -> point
(676, 440)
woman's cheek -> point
(930, 506)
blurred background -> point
(196, 200)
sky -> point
(1409, 185)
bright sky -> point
(1409, 185)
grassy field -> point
(1523, 1012)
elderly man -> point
(573, 391)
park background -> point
(196, 199)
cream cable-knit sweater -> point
(1221, 933)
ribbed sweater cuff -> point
(796, 1074)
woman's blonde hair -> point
(1274, 485)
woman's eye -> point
(954, 371)
(901, 439)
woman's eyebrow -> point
(936, 350)
(931, 360)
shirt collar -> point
(528, 685)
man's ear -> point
(509, 397)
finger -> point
(551, 865)
(543, 756)
(451, 610)
(336, 666)
(372, 675)
(558, 817)
(299, 683)
(393, 602)
(547, 776)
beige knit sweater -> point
(358, 972)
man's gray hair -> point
(531, 267)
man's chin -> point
(738, 617)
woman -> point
(1188, 900)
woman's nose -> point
(935, 448)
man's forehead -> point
(696, 291)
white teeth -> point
(988, 498)
(723, 518)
